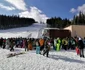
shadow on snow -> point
(56, 57)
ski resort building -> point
(76, 30)
(56, 32)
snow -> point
(30, 31)
(57, 60)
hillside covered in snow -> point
(33, 31)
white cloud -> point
(71, 19)
(73, 10)
(34, 13)
(77, 14)
(6, 7)
(19, 4)
(79, 9)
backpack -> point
(65, 42)
(73, 42)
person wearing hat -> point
(81, 47)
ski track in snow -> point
(57, 60)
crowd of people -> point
(44, 44)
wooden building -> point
(55, 32)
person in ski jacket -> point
(55, 42)
(46, 48)
(30, 45)
(4, 43)
(1, 42)
(41, 43)
(37, 47)
(26, 45)
(84, 41)
(7, 44)
(65, 44)
(81, 47)
(58, 45)
(11, 44)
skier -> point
(84, 41)
(30, 47)
(12, 45)
(65, 44)
(26, 45)
(41, 43)
(46, 48)
(54, 47)
(58, 45)
(37, 48)
(81, 47)
(7, 43)
(76, 45)
(1, 42)
(4, 43)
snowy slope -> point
(30, 31)
(61, 60)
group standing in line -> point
(44, 44)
